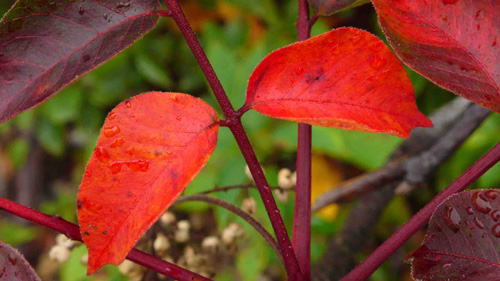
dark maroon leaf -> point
(463, 239)
(13, 266)
(45, 45)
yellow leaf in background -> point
(325, 176)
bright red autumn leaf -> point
(149, 149)
(346, 78)
(462, 240)
(45, 45)
(13, 266)
(454, 43)
(329, 7)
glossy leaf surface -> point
(462, 240)
(45, 45)
(329, 7)
(149, 149)
(454, 43)
(346, 78)
(13, 266)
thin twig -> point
(72, 231)
(302, 211)
(241, 186)
(233, 121)
(237, 211)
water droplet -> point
(496, 230)
(492, 194)
(377, 62)
(86, 58)
(111, 116)
(376, 46)
(1, 54)
(299, 70)
(81, 10)
(355, 39)
(117, 143)
(173, 97)
(178, 118)
(478, 223)
(495, 215)
(480, 204)
(79, 204)
(447, 2)
(452, 218)
(115, 167)
(122, 5)
(138, 165)
(483, 235)
(469, 210)
(101, 154)
(128, 105)
(105, 16)
(111, 131)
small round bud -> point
(62, 240)
(161, 243)
(210, 244)
(59, 253)
(228, 236)
(285, 179)
(248, 173)
(190, 256)
(167, 218)
(183, 225)
(249, 205)
(281, 195)
(237, 229)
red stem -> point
(367, 267)
(72, 231)
(233, 121)
(302, 215)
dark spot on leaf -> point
(86, 233)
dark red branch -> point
(367, 267)
(302, 215)
(72, 231)
(233, 121)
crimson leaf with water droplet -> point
(329, 7)
(150, 148)
(346, 78)
(45, 45)
(454, 43)
(462, 240)
(13, 266)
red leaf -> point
(150, 148)
(13, 266)
(454, 43)
(346, 78)
(45, 45)
(462, 240)
(329, 7)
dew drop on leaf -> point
(117, 143)
(81, 10)
(112, 116)
(469, 210)
(496, 230)
(138, 165)
(101, 154)
(128, 105)
(115, 167)
(111, 131)
(377, 62)
(495, 215)
(452, 219)
(478, 223)
(480, 204)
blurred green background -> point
(44, 151)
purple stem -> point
(367, 267)
(302, 215)
(72, 231)
(233, 121)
